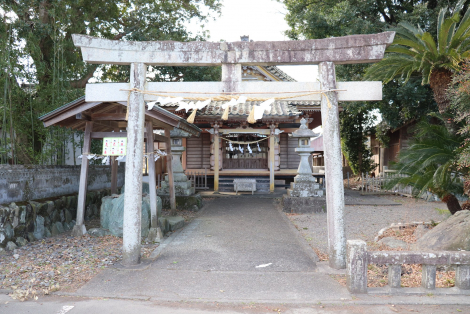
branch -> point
(81, 83)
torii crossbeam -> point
(231, 56)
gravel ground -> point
(365, 221)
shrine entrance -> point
(239, 155)
(231, 56)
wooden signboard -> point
(114, 146)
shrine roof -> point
(280, 108)
(75, 114)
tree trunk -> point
(440, 81)
(452, 203)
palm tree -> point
(429, 164)
(415, 52)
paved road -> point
(239, 249)
(75, 305)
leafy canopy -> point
(415, 51)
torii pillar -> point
(333, 168)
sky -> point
(261, 20)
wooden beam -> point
(156, 137)
(114, 173)
(118, 92)
(216, 158)
(70, 113)
(169, 166)
(82, 116)
(271, 160)
(153, 233)
(108, 116)
(79, 228)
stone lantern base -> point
(303, 205)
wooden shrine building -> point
(233, 161)
(109, 119)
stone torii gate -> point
(231, 56)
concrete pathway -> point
(238, 250)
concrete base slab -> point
(303, 205)
(192, 202)
(78, 230)
(221, 286)
(175, 222)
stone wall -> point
(34, 220)
(24, 183)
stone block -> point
(393, 243)
(68, 216)
(356, 266)
(3, 239)
(452, 234)
(184, 202)
(57, 228)
(20, 241)
(164, 225)
(175, 222)
(98, 232)
(303, 205)
(67, 226)
(105, 211)
(39, 228)
(47, 232)
(8, 231)
(116, 217)
(11, 246)
(31, 237)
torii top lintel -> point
(340, 50)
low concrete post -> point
(333, 168)
(356, 267)
(462, 277)
(428, 279)
(394, 276)
(134, 162)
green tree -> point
(311, 19)
(417, 52)
(37, 51)
(459, 95)
(354, 124)
(430, 164)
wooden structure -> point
(232, 56)
(108, 119)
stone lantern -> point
(304, 183)
(182, 184)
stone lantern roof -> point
(303, 130)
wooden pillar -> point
(272, 149)
(216, 159)
(333, 168)
(155, 232)
(79, 228)
(114, 173)
(134, 162)
(169, 167)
